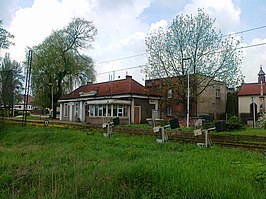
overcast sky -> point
(123, 25)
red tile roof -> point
(30, 99)
(251, 89)
(117, 87)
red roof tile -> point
(251, 89)
(117, 87)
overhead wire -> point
(141, 54)
(137, 55)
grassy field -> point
(39, 162)
(247, 131)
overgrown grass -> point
(247, 131)
(38, 162)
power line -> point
(139, 66)
(137, 55)
(250, 46)
(248, 30)
(121, 58)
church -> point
(251, 101)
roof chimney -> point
(128, 77)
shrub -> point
(234, 124)
(262, 121)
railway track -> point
(242, 144)
(248, 142)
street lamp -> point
(188, 91)
(52, 96)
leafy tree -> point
(58, 65)
(11, 82)
(5, 37)
(213, 58)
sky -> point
(119, 48)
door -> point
(137, 115)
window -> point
(120, 110)
(76, 109)
(104, 110)
(218, 93)
(109, 113)
(92, 110)
(125, 110)
(100, 110)
(169, 93)
(65, 110)
(110, 110)
(169, 111)
(114, 110)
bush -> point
(234, 124)
(262, 121)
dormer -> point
(261, 76)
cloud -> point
(31, 25)
(159, 24)
(254, 58)
(227, 15)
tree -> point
(192, 45)
(11, 82)
(58, 65)
(5, 37)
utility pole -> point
(188, 90)
(26, 93)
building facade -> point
(251, 100)
(100, 102)
(210, 103)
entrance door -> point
(136, 114)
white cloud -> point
(227, 15)
(254, 57)
(121, 33)
(159, 24)
(31, 25)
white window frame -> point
(169, 93)
(169, 111)
(65, 110)
(218, 93)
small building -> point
(251, 98)
(20, 105)
(100, 102)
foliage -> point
(58, 65)
(38, 162)
(232, 103)
(262, 121)
(10, 82)
(192, 45)
(5, 37)
(234, 124)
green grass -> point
(38, 162)
(247, 131)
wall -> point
(208, 103)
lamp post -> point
(188, 91)
(52, 98)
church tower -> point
(261, 76)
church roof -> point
(250, 89)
